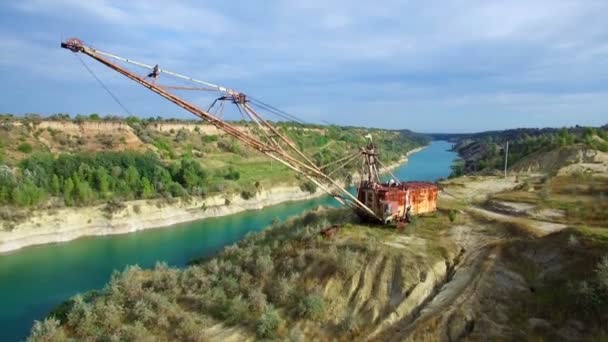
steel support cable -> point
(187, 88)
(221, 110)
(339, 160)
(290, 143)
(259, 130)
(191, 79)
(276, 114)
(388, 171)
(344, 164)
(164, 71)
(269, 139)
(316, 171)
(103, 85)
(277, 110)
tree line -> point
(85, 178)
(486, 151)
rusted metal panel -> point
(422, 197)
(391, 201)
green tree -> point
(132, 178)
(268, 323)
(25, 148)
(68, 191)
(102, 181)
(84, 193)
(55, 185)
(27, 194)
(147, 190)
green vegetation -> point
(242, 286)
(264, 285)
(577, 199)
(25, 148)
(485, 151)
(139, 159)
(576, 292)
(82, 179)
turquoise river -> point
(36, 279)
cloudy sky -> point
(430, 66)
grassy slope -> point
(313, 287)
(289, 282)
(484, 152)
(218, 154)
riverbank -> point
(66, 224)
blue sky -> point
(429, 66)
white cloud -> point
(323, 56)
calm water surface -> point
(36, 279)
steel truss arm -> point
(300, 164)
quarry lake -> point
(35, 280)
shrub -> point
(25, 148)
(263, 265)
(281, 290)
(573, 241)
(452, 215)
(246, 194)
(182, 135)
(601, 271)
(232, 174)
(312, 307)
(229, 145)
(350, 324)
(230, 285)
(308, 186)
(268, 323)
(209, 138)
(47, 330)
(257, 300)
(347, 263)
(234, 310)
(176, 190)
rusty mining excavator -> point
(378, 201)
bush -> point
(176, 190)
(268, 323)
(601, 271)
(312, 307)
(350, 324)
(308, 186)
(263, 266)
(229, 145)
(281, 290)
(246, 194)
(47, 330)
(25, 148)
(452, 215)
(209, 138)
(347, 263)
(257, 300)
(232, 174)
(234, 310)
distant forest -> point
(485, 151)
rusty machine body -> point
(393, 200)
(382, 202)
